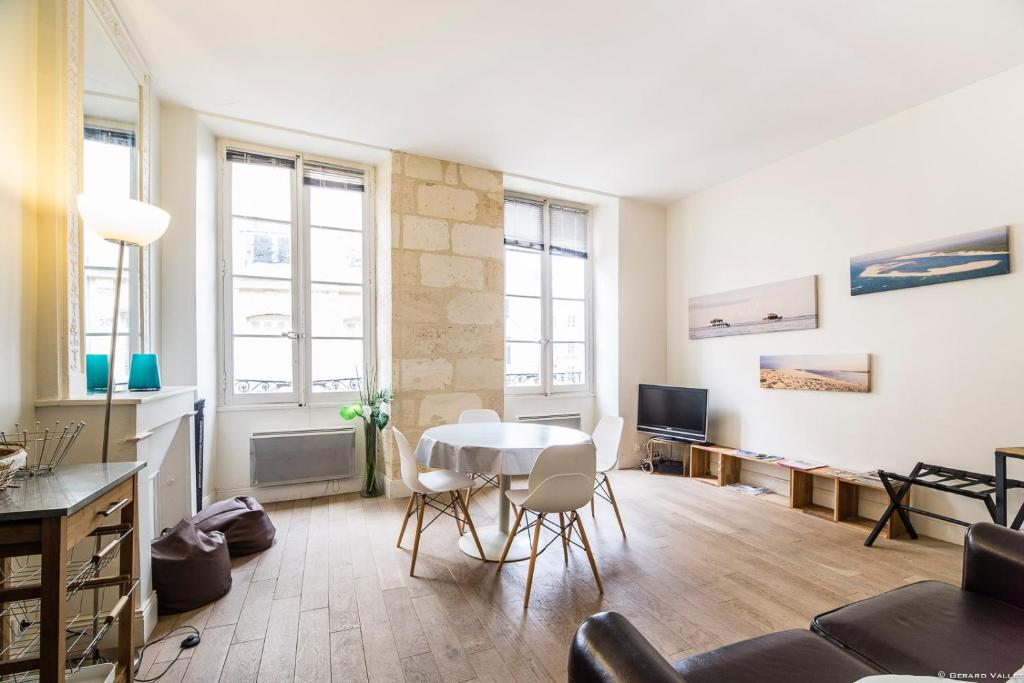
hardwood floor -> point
(702, 567)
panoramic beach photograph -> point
(822, 372)
(964, 257)
(776, 307)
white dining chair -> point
(480, 416)
(428, 490)
(606, 439)
(561, 481)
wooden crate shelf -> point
(846, 492)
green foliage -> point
(373, 402)
(351, 411)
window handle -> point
(290, 334)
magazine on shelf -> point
(870, 476)
(804, 465)
(763, 457)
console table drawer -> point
(103, 511)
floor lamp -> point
(125, 222)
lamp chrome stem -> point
(113, 350)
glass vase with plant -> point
(371, 408)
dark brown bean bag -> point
(243, 522)
(190, 568)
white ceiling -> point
(646, 98)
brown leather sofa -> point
(922, 629)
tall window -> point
(295, 285)
(547, 296)
(108, 168)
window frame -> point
(547, 386)
(132, 274)
(301, 283)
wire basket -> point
(46, 447)
(12, 459)
(85, 627)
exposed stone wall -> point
(448, 281)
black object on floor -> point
(200, 430)
(957, 482)
(1001, 455)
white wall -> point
(188, 264)
(947, 360)
(642, 297)
(18, 73)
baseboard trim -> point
(273, 494)
(146, 617)
(396, 488)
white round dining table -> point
(504, 449)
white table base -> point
(493, 538)
(493, 541)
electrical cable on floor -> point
(188, 642)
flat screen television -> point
(674, 412)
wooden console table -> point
(42, 520)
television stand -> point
(653, 462)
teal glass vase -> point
(144, 373)
(96, 371)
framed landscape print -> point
(777, 307)
(964, 257)
(830, 372)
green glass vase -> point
(371, 481)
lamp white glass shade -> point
(122, 220)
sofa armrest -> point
(609, 649)
(994, 563)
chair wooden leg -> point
(565, 539)
(469, 523)
(615, 506)
(533, 559)
(511, 535)
(465, 506)
(592, 506)
(405, 520)
(590, 555)
(456, 501)
(419, 530)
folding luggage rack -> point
(983, 487)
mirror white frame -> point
(72, 372)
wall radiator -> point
(301, 455)
(570, 420)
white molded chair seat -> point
(561, 481)
(517, 496)
(443, 481)
(427, 491)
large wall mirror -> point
(113, 162)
